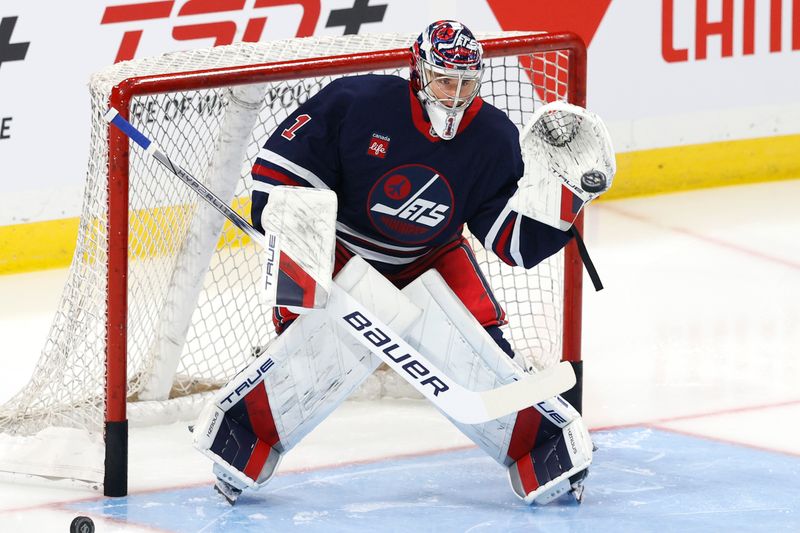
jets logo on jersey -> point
(411, 204)
(378, 145)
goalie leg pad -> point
(451, 337)
(295, 383)
(550, 435)
(553, 467)
(241, 458)
(304, 374)
(240, 447)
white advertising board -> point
(661, 72)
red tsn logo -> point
(223, 31)
(378, 145)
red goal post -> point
(141, 228)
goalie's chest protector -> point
(398, 184)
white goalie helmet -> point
(446, 72)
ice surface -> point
(691, 364)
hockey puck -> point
(593, 181)
(81, 524)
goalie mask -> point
(446, 72)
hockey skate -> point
(228, 491)
(225, 485)
(576, 481)
(577, 486)
(555, 467)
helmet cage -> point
(446, 73)
(451, 88)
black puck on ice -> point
(593, 181)
(81, 524)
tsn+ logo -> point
(195, 19)
(136, 15)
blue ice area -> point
(642, 480)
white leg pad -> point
(308, 370)
(452, 338)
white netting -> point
(166, 237)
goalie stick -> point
(457, 402)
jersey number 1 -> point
(299, 122)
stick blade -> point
(528, 391)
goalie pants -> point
(456, 263)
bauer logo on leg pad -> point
(379, 339)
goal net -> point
(160, 309)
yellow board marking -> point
(51, 244)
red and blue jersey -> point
(402, 191)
